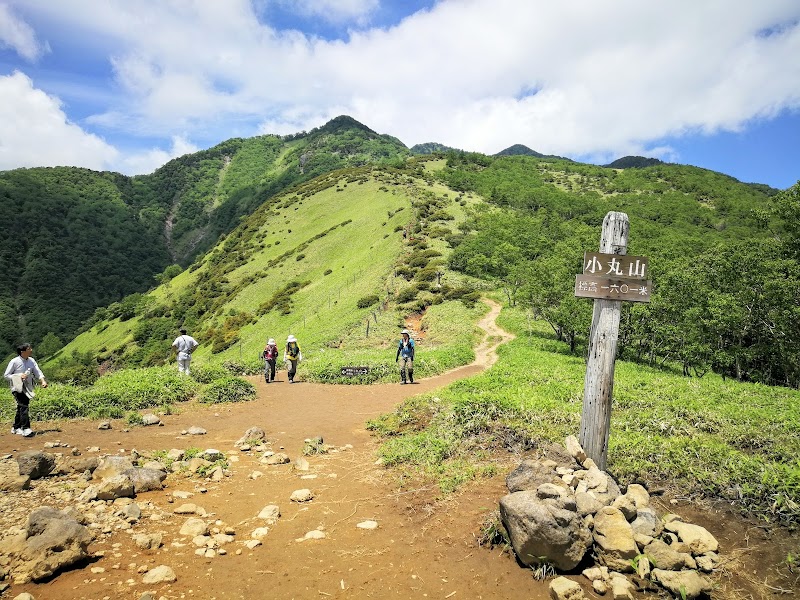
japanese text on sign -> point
(599, 264)
(353, 371)
(607, 288)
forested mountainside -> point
(74, 239)
(723, 259)
(431, 148)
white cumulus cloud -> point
(584, 78)
(35, 132)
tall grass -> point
(722, 439)
(127, 391)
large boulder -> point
(35, 464)
(79, 464)
(544, 526)
(118, 486)
(111, 466)
(145, 480)
(529, 475)
(51, 542)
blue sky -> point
(126, 85)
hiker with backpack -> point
(270, 357)
(292, 356)
(185, 345)
(405, 357)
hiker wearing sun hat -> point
(270, 357)
(292, 356)
(405, 357)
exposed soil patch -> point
(424, 546)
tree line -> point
(724, 258)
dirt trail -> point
(421, 548)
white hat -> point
(291, 338)
(406, 331)
(271, 342)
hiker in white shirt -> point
(185, 345)
(21, 373)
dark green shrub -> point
(228, 389)
(367, 301)
(208, 373)
(407, 295)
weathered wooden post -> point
(599, 380)
(610, 277)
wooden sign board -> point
(607, 288)
(354, 371)
(599, 264)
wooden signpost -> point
(610, 277)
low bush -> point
(367, 301)
(228, 389)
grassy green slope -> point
(339, 238)
(738, 441)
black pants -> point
(292, 369)
(269, 370)
(22, 420)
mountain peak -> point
(344, 122)
(519, 150)
(634, 162)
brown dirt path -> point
(422, 548)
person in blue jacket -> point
(405, 357)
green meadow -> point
(701, 436)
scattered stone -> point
(276, 459)
(697, 538)
(303, 495)
(614, 538)
(218, 474)
(194, 527)
(147, 541)
(301, 464)
(150, 419)
(111, 466)
(161, 574)
(118, 486)
(253, 436)
(639, 495)
(252, 543)
(683, 584)
(529, 475)
(562, 588)
(182, 495)
(621, 588)
(255, 475)
(194, 430)
(259, 533)
(104, 425)
(270, 513)
(315, 534)
(146, 479)
(368, 525)
(575, 449)
(190, 509)
(14, 483)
